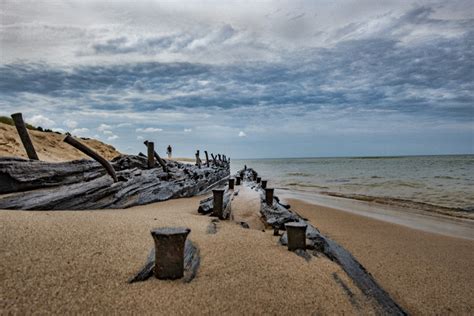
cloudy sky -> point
(273, 79)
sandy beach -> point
(79, 262)
(426, 273)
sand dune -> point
(49, 146)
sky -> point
(245, 78)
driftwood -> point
(192, 261)
(279, 214)
(24, 136)
(89, 152)
(83, 184)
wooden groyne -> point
(84, 184)
(278, 216)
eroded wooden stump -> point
(296, 235)
(169, 251)
(269, 196)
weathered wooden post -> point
(269, 196)
(198, 160)
(214, 159)
(219, 156)
(263, 184)
(89, 152)
(231, 184)
(160, 161)
(151, 154)
(169, 251)
(24, 136)
(207, 158)
(218, 203)
(237, 180)
(296, 235)
(259, 179)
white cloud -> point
(188, 130)
(80, 131)
(103, 127)
(60, 130)
(140, 137)
(40, 120)
(113, 137)
(242, 134)
(70, 123)
(108, 132)
(148, 130)
(124, 124)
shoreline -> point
(408, 217)
(427, 273)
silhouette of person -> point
(169, 151)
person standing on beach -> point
(169, 150)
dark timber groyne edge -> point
(277, 215)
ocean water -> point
(446, 181)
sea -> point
(444, 181)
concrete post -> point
(169, 251)
(296, 235)
(24, 136)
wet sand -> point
(68, 262)
(425, 273)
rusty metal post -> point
(207, 158)
(269, 196)
(259, 179)
(231, 184)
(263, 184)
(296, 235)
(218, 203)
(89, 152)
(151, 154)
(24, 136)
(237, 180)
(169, 251)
